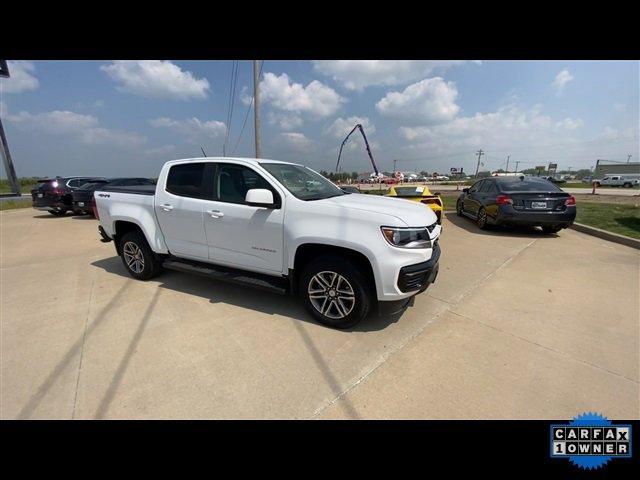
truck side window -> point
(187, 180)
(233, 182)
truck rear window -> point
(187, 180)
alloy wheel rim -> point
(482, 217)
(331, 294)
(133, 257)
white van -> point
(626, 180)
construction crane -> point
(366, 143)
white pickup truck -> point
(277, 226)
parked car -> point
(627, 180)
(83, 196)
(555, 180)
(257, 223)
(350, 189)
(419, 193)
(54, 195)
(529, 201)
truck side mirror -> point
(465, 190)
(259, 197)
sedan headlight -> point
(407, 237)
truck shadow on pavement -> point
(239, 296)
(495, 230)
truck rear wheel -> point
(138, 259)
(334, 292)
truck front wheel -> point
(137, 256)
(334, 292)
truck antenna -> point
(203, 151)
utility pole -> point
(480, 153)
(256, 106)
(517, 165)
(508, 157)
(628, 158)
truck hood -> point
(413, 214)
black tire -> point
(335, 271)
(627, 185)
(549, 230)
(481, 219)
(137, 256)
(58, 213)
(459, 208)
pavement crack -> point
(84, 337)
(448, 305)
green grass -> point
(26, 184)
(587, 185)
(616, 218)
(13, 204)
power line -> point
(232, 95)
(246, 115)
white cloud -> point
(21, 79)
(284, 120)
(342, 126)
(510, 126)
(245, 98)
(429, 101)
(316, 99)
(163, 150)
(192, 128)
(295, 142)
(339, 129)
(610, 133)
(619, 107)
(570, 123)
(561, 80)
(156, 78)
(85, 128)
(358, 74)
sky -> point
(126, 118)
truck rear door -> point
(179, 207)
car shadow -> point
(496, 230)
(253, 299)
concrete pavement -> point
(518, 325)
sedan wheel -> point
(482, 218)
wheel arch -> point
(307, 252)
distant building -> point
(603, 168)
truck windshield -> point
(302, 182)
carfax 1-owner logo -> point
(590, 441)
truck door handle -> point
(215, 213)
(166, 207)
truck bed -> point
(135, 189)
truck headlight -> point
(407, 237)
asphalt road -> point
(518, 325)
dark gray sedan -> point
(527, 201)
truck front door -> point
(241, 235)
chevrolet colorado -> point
(277, 226)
